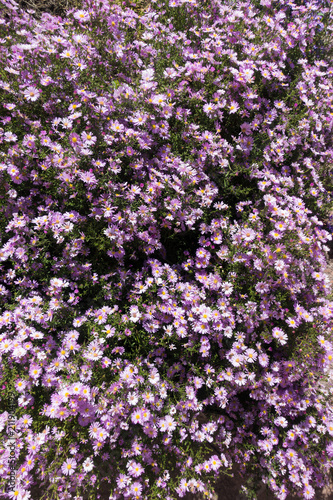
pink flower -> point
(145, 414)
(261, 287)
(74, 139)
(135, 314)
(122, 481)
(237, 360)
(266, 446)
(154, 377)
(105, 362)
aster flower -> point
(35, 371)
(31, 94)
(69, 466)
(5, 346)
(126, 210)
(281, 422)
(136, 417)
(263, 359)
(18, 493)
(88, 138)
(136, 489)
(82, 15)
(233, 107)
(240, 379)
(159, 99)
(308, 492)
(170, 423)
(251, 355)
(10, 137)
(266, 445)
(122, 481)
(88, 464)
(74, 139)
(292, 322)
(135, 314)
(135, 469)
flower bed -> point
(163, 181)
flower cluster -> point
(165, 313)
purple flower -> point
(31, 93)
(69, 466)
(82, 15)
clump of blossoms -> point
(165, 313)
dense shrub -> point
(54, 7)
(164, 308)
(60, 7)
